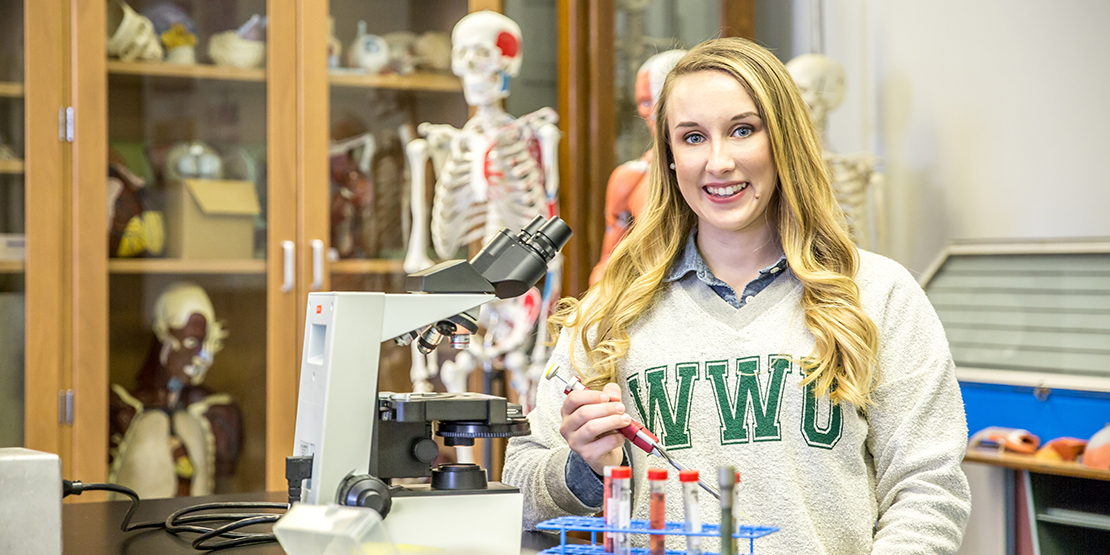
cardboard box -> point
(208, 218)
(13, 246)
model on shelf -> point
(171, 436)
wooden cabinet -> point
(269, 125)
(13, 192)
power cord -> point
(178, 523)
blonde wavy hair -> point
(809, 222)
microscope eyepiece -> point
(514, 264)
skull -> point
(820, 79)
(485, 53)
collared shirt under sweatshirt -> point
(720, 386)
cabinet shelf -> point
(186, 71)
(185, 266)
(1027, 462)
(11, 266)
(1076, 518)
(427, 82)
(11, 90)
(11, 166)
(371, 266)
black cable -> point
(178, 523)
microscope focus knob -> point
(365, 491)
(426, 450)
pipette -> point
(635, 432)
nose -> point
(720, 158)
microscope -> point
(357, 439)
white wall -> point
(992, 116)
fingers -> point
(576, 399)
(613, 390)
(601, 450)
(585, 423)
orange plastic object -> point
(1010, 439)
(1062, 449)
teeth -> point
(726, 191)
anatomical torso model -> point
(497, 171)
(171, 436)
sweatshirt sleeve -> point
(537, 463)
(917, 430)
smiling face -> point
(722, 153)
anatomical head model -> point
(820, 79)
(185, 323)
(649, 83)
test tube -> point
(726, 478)
(692, 510)
(736, 511)
(609, 513)
(622, 502)
(657, 509)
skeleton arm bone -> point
(416, 258)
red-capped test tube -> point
(736, 503)
(622, 503)
(657, 509)
(691, 509)
(608, 512)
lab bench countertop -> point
(93, 528)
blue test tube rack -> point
(596, 525)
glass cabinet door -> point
(642, 30)
(187, 199)
(13, 298)
(388, 69)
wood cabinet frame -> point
(588, 120)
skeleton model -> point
(495, 172)
(858, 186)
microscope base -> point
(480, 521)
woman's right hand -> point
(590, 423)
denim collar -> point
(692, 261)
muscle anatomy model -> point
(497, 171)
(624, 194)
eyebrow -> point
(734, 118)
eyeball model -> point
(193, 160)
(368, 52)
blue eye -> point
(742, 131)
(693, 138)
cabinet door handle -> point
(287, 248)
(317, 264)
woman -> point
(740, 324)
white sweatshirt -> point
(710, 381)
